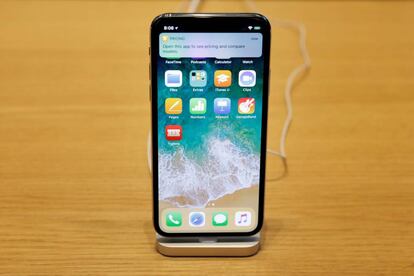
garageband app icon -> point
(246, 105)
(198, 78)
(243, 218)
(173, 106)
(247, 78)
(173, 78)
(197, 219)
(222, 78)
(173, 132)
(222, 106)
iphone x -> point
(209, 100)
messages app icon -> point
(220, 219)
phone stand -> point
(209, 247)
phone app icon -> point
(173, 78)
(222, 78)
(220, 218)
(173, 132)
(247, 78)
(222, 106)
(198, 78)
(197, 219)
(243, 218)
(173, 219)
(198, 106)
(173, 106)
(246, 105)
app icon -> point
(246, 105)
(243, 218)
(165, 38)
(222, 106)
(198, 106)
(173, 106)
(197, 219)
(173, 132)
(222, 78)
(198, 78)
(173, 78)
(173, 219)
(220, 219)
(247, 78)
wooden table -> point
(74, 115)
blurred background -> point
(75, 189)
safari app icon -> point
(247, 78)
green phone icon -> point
(173, 219)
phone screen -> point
(209, 126)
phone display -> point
(209, 115)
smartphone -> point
(209, 99)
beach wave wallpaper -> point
(218, 155)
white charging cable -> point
(295, 75)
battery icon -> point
(257, 27)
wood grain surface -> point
(75, 190)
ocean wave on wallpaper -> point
(225, 169)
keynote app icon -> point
(222, 106)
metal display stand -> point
(209, 247)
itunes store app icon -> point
(247, 78)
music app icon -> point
(243, 218)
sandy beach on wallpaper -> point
(247, 197)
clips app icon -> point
(173, 106)
(173, 78)
(222, 78)
(246, 105)
(173, 133)
(247, 78)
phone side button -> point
(149, 94)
